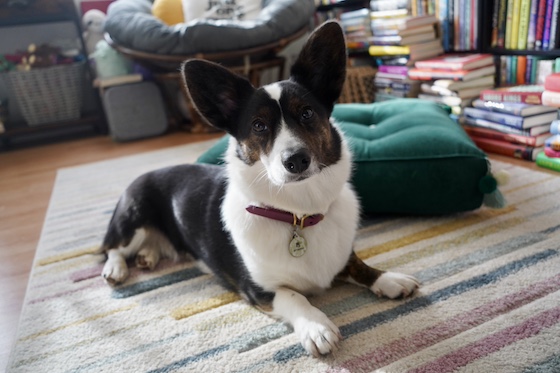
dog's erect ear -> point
(217, 93)
(321, 65)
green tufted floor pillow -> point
(414, 160)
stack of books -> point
(391, 81)
(407, 38)
(506, 125)
(357, 29)
(454, 79)
(551, 93)
(550, 158)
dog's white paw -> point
(115, 270)
(394, 285)
(318, 334)
(147, 258)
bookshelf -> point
(486, 11)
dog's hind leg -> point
(115, 269)
(382, 283)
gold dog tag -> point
(298, 246)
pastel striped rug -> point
(490, 300)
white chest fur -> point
(264, 243)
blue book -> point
(511, 120)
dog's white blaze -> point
(274, 90)
(273, 161)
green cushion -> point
(415, 160)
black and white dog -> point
(278, 221)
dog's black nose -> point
(296, 162)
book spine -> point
(524, 97)
(505, 148)
(513, 70)
(388, 4)
(554, 25)
(521, 69)
(508, 120)
(396, 69)
(528, 70)
(546, 162)
(509, 16)
(532, 24)
(444, 20)
(495, 15)
(552, 82)
(524, 14)
(501, 23)
(503, 108)
(456, 25)
(515, 24)
(497, 135)
(451, 22)
(388, 50)
(540, 24)
(496, 126)
(551, 98)
(547, 22)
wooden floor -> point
(26, 180)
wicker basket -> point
(46, 95)
(359, 86)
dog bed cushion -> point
(409, 158)
(131, 24)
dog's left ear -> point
(217, 93)
(321, 64)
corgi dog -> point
(278, 221)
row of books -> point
(520, 70)
(525, 24)
(459, 21)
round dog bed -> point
(409, 158)
(130, 24)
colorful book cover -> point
(464, 75)
(515, 24)
(552, 82)
(541, 12)
(521, 69)
(524, 14)
(532, 24)
(528, 153)
(509, 17)
(502, 136)
(400, 70)
(547, 22)
(457, 61)
(513, 108)
(529, 94)
(533, 131)
(511, 120)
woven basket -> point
(46, 95)
(359, 86)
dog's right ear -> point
(217, 93)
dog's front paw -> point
(394, 285)
(115, 270)
(318, 334)
(147, 258)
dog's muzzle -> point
(296, 162)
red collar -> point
(285, 216)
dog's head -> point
(284, 125)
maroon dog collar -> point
(285, 216)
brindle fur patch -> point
(359, 272)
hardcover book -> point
(463, 75)
(457, 62)
(529, 94)
(552, 82)
(403, 23)
(551, 98)
(534, 131)
(528, 153)
(454, 85)
(509, 137)
(512, 120)
(513, 108)
(548, 162)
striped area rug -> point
(490, 300)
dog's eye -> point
(307, 113)
(259, 126)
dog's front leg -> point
(318, 334)
(389, 284)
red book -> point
(541, 12)
(507, 137)
(463, 75)
(457, 62)
(552, 82)
(528, 94)
(508, 149)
